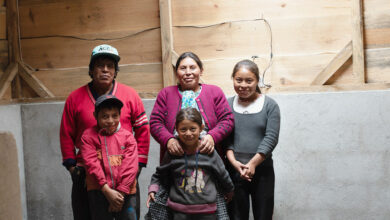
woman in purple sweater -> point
(208, 99)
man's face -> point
(103, 72)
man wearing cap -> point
(78, 116)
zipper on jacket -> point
(109, 164)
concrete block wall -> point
(332, 160)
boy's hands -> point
(150, 198)
(115, 198)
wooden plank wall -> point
(306, 36)
(3, 45)
(57, 37)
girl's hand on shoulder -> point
(207, 145)
(150, 198)
(174, 147)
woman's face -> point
(245, 83)
(188, 74)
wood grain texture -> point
(13, 31)
(334, 65)
(3, 54)
(290, 37)
(188, 12)
(329, 88)
(60, 52)
(3, 27)
(7, 77)
(144, 78)
(34, 82)
(166, 42)
(88, 18)
(357, 41)
(378, 65)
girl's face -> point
(188, 74)
(189, 132)
(245, 83)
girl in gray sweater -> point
(192, 179)
(250, 146)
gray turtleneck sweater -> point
(255, 133)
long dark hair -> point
(191, 114)
(251, 66)
(190, 55)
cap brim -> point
(113, 56)
(112, 101)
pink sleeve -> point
(225, 117)
(91, 161)
(68, 132)
(141, 128)
(129, 167)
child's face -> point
(108, 119)
(189, 132)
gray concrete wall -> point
(10, 121)
(332, 161)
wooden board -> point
(60, 52)
(377, 28)
(88, 18)
(3, 54)
(291, 37)
(166, 42)
(378, 65)
(299, 71)
(143, 78)
(3, 20)
(189, 12)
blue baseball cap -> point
(105, 50)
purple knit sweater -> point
(212, 104)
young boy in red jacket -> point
(110, 156)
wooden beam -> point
(34, 82)
(13, 31)
(175, 56)
(334, 65)
(7, 77)
(16, 90)
(166, 42)
(3, 23)
(327, 88)
(357, 41)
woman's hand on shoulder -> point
(207, 144)
(174, 147)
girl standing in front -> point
(250, 146)
(191, 178)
